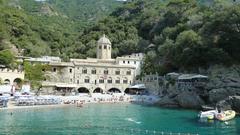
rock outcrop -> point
(189, 100)
(224, 82)
(223, 89)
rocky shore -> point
(222, 90)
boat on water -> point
(226, 115)
(207, 114)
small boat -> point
(207, 114)
(226, 115)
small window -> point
(105, 72)
(117, 72)
(128, 72)
(128, 62)
(70, 70)
(94, 71)
(101, 80)
(109, 47)
(109, 80)
(77, 81)
(43, 69)
(54, 69)
(117, 81)
(100, 47)
(125, 81)
(84, 71)
(124, 61)
(135, 62)
(105, 47)
(71, 80)
(86, 80)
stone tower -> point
(104, 48)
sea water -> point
(110, 119)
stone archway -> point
(98, 90)
(127, 90)
(114, 90)
(18, 83)
(83, 90)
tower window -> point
(105, 47)
(54, 69)
(128, 62)
(70, 70)
(124, 61)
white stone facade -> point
(101, 73)
(8, 75)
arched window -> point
(101, 80)
(84, 70)
(6, 81)
(117, 80)
(109, 80)
(87, 79)
(125, 80)
(94, 71)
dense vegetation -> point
(41, 28)
(184, 34)
(174, 34)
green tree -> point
(6, 58)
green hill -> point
(49, 28)
(185, 34)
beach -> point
(81, 99)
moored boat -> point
(207, 114)
(226, 115)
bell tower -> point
(104, 48)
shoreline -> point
(75, 101)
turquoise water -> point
(109, 119)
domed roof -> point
(104, 40)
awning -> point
(137, 86)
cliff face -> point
(223, 89)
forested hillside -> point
(184, 34)
(175, 34)
(48, 28)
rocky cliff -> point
(223, 89)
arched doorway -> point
(18, 83)
(114, 90)
(83, 90)
(98, 90)
(127, 90)
(6, 81)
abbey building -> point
(93, 75)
